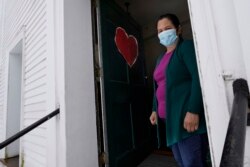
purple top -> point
(160, 78)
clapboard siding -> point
(33, 139)
(37, 70)
(35, 156)
(12, 23)
(32, 50)
(37, 76)
(35, 107)
(30, 142)
(34, 93)
(40, 131)
(36, 64)
(32, 16)
(1, 98)
(37, 36)
(35, 148)
(34, 114)
(34, 100)
(34, 86)
(34, 45)
(35, 57)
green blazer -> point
(183, 93)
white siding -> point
(32, 17)
(1, 105)
(1, 76)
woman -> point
(178, 100)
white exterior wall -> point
(32, 22)
(220, 33)
(242, 11)
(57, 69)
(80, 114)
(1, 75)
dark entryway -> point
(124, 92)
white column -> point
(80, 111)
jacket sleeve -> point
(195, 100)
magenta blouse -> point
(160, 78)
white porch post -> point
(80, 111)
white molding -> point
(60, 83)
(22, 94)
(51, 87)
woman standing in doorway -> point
(177, 96)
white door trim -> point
(20, 36)
(210, 71)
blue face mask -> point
(168, 37)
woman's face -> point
(164, 24)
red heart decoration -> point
(127, 46)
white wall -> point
(80, 111)
(57, 52)
(1, 27)
(242, 12)
(220, 59)
(31, 21)
(1, 75)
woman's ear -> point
(179, 31)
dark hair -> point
(172, 17)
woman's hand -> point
(153, 118)
(191, 122)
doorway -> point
(14, 102)
(124, 92)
